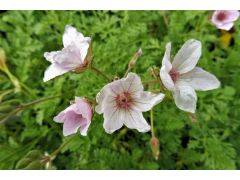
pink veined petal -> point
(188, 56)
(72, 123)
(185, 98)
(83, 107)
(132, 83)
(53, 71)
(166, 78)
(200, 79)
(135, 120)
(167, 58)
(112, 119)
(231, 15)
(146, 100)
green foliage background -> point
(210, 143)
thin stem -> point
(152, 123)
(100, 72)
(126, 73)
(58, 150)
(150, 81)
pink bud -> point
(155, 146)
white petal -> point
(50, 55)
(166, 78)
(188, 56)
(53, 71)
(167, 57)
(185, 98)
(132, 83)
(225, 26)
(200, 79)
(71, 36)
(112, 119)
(146, 100)
(135, 120)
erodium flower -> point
(122, 103)
(183, 78)
(71, 57)
(76, 116)
(224, 19)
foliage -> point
(210, 143)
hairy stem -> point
(100, 73)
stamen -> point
(174, 75)
(124, 100)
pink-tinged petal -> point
(83, 107)
(60, 118)
(188, 56)
(53, 71)
(166, 78)
(72, 123)
(49, 56)
(167, 57)
(112, 119)
(226, 26)
(146, 100)
(132, 83)
(84, 128)
(135, 120)
(185, 97)
(200, 79)
(71, 36)
(232, 15)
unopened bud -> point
(135, 58)
(155, 146)
(192, 117)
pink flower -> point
(182, 77)
(122, 103)
(224, 19)
(77, 116)
(71, 57)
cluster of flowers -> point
(122, 101)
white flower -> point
(183, 78)
(71, 57)
(123, 101)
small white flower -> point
(122, 103)
(183, 78)
(71, 57)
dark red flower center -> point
(124, 100)
(174, 75)
(221, 16)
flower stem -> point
(152, 123)
(100, 73)
(58, 150)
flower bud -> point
(155, 146)
(135, 58)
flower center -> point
(174, 75)
(221, 16)
(124, 100)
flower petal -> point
(132, 83)
(49, 56)
(188, 56)
(53, 71)
(135, 120)
(200, 79)
(185, 98)
(71, 36)
(232, 15)
(60, 118)
(83, 107)
(166, 78)
(225, 26)
(72, 123)
(112, 119)
(84, 127)
(146, 100)
(167, 57)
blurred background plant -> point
(29, 139)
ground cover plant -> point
(123, 44)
